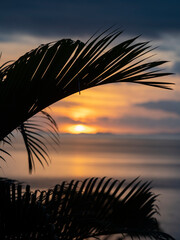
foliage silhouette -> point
(75, 210)
(79, 210)
(56, 70)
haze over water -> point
(81, 156)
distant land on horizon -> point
(131, 136)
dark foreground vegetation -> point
(78, 210)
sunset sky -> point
(115, 108)
(121, 130)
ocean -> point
(82, 156)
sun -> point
(81, 128)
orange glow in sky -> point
(112, 108)
(81, 113)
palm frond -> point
(78, 210)
(7, 140)
(35, 133)
(56, 70)
(3, 151)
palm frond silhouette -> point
(79, 210)
(56, 70)
(75, 210)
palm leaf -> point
(35, 133)
(78, 210)
(58, 69)
(7, 140)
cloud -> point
(127, 124)
(142, 122)
(176, 67)
(66, 120)
(167, 106)
(66, 104)
(54, 18)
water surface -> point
(84, 156)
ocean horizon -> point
(120, 157)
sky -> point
(116, 108)
(122, 109)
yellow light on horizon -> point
(81, 128)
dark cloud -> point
(67, 104)
(167, 106)
(176, 68)
(166, 123)
(64, 119)
(142, 123)
(56, 18)
(163, 124)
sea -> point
(152, 158)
